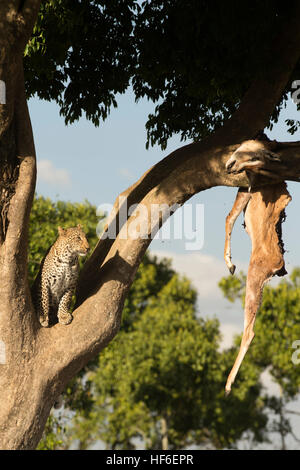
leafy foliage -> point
(194, 59)
(234, 287)
(53, 434)
(81, 55)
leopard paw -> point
(65, 318)
(44, 321)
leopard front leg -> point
(43, 307)
(63, 314)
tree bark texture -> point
(39, 362)
(164, 434)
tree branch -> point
(293, 412)
(20, 205)
(16, 24)
(266, 90)
(29, 10)
(252, 116)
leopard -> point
(56, 281)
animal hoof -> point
(232, 269)
(65, 319)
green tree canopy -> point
(160, 383)
(195, 59)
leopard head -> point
(75, 239)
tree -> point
(279, 316)
(226, 105)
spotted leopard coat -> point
(56, 281)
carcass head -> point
(257, 157)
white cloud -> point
(228, 331)
(268, 382)
(205, 272)
(47, 172)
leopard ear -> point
(79, 226)
(61, 230)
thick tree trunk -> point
(39, 362)
(164, 434)
(20, 399)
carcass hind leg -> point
(241, 201)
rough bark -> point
(39, 361)
(18, 326)
(164, 434)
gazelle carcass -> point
(264, 212)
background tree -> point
(82, 54)
(276, 329)
(159, 384)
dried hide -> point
(264, 213)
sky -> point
(81, 162)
